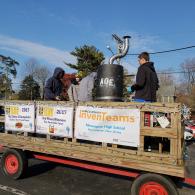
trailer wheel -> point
(14, 163)
(153, 184)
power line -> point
(176, 72)
(165, 51)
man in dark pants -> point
(54, 86)
(146, 80)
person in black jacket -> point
(146, 80)
(54, 86)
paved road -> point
(45, 178)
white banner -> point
(109, 125)
(54, 120)
(19, 116)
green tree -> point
(88, 59)
(8, 66)
(30, 89)
(7, 70)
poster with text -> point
(19, 117)
(55, 120)
(109, 125)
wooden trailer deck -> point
(165, 158)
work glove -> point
(58, 98)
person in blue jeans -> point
(146, 80)
(145, 86)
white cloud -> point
(56, 57)
(138, 43)
(50, 55)
(143, 43)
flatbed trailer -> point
(154, 172)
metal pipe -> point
(124, 51)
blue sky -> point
(50, 30)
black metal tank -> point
(109, 83)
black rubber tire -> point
(150, 177)
(22, 163)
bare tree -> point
(188, 67)
(165, 79)
(39, 72)
(166, 92)
(31, 65)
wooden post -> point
(173, 147)
(114, 145)
(141, 147)
(48, 137)
(104, 145)
(160, 148)
(25, 134)
(65, 140)
(180, 130)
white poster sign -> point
(109, 125)
(54, 120)
(19, 116)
